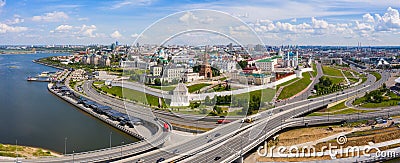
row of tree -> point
(249, 106)
(326, 86)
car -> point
(209, 141)
(160, 160)
(218, 134)
(217, 158)
(223, 121)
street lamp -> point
(65, 145)
(73, 156)
(110, 139)
(336, 96)
(122, 143)
(109, 158)
(16, 149)
(328, 109)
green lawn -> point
(196, 87)
(331, 71)
(377, 75)
(337, 107)
(364, 80)
(286, 83)
(164, 88)
(296, 87)
(98, 82)
(354, 80)
(344, 111)
(132, 95)
(352, 111)
(382, 104)
(386, 103)
(223, 79)
(337, 80)
(315, 71)
(348, 74)
(265, 94)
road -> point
(229, 131)
(240, 144)
(139, 110)
(306, 93)
(157, 139)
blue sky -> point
(302, 22)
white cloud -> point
(4, 28)
(63, 28)
(188, 17)
(16, 20)
(87, 31)
(2, 3)
(319, 23)
(83, 19)
(368, 18)
(135, 35)
(125, 3)
(51, 17)
(115, 35)
(389, 21)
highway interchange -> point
(225, 143)
(235, 143)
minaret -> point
(297, 59)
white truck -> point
(251, 118)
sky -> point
(275, 22)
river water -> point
(33, 116)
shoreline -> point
(95, 115)
(29, 52)
(28, 152)
(91, 113)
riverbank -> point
(98, 116)
(45, 64)
(10, 152)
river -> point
(33, 116)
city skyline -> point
(341, 22)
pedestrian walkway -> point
(345, 78)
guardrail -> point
(113, 152)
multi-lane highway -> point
(225, 133)
(241, 143)
(139, 110)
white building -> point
(156, 70)
(225, 66)
(137, 63)
(180, 96)
(191, 77)
(172, 72)
(266, 65)
(329, 61)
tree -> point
(207, 101)
(242, 64)
(203, 111)
(157, 82)
(217, 109)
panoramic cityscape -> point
(200, 81)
